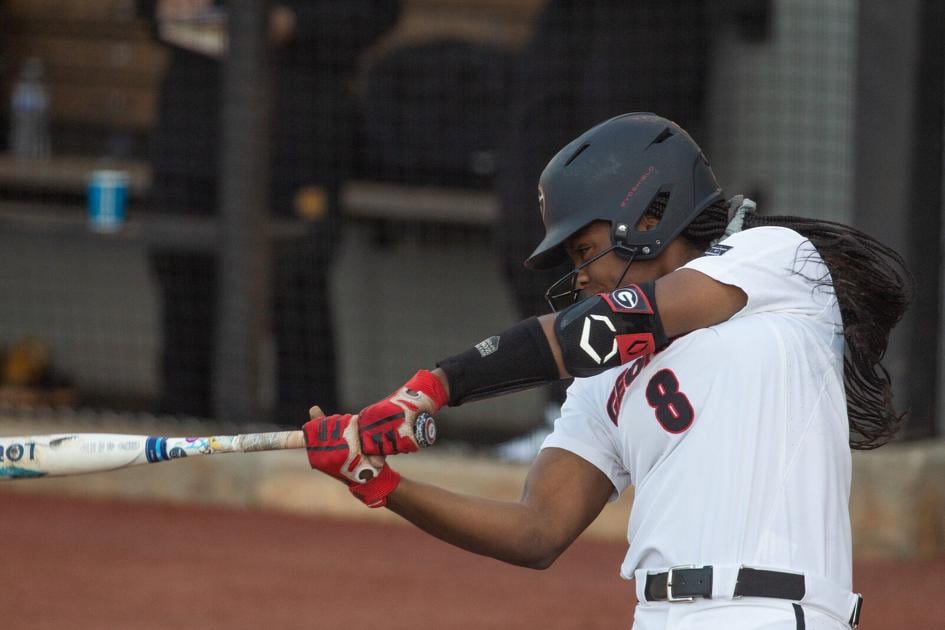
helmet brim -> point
(550, 251)
(546, 256)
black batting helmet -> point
(613, 172)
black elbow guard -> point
(610, 329)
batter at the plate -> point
(725, 364)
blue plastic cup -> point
(107, 196)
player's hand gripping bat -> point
(78, 453)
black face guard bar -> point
(565, 291)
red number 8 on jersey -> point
(673, 409)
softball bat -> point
(79, 453)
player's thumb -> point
(377, 461)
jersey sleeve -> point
(585, 430)
(777, 268)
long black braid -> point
(873, 288)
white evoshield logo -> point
(586, 338)
(626, 298)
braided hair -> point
(873, 289)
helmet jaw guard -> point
(613, 172)
(564, 292)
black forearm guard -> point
(517, 359)
(609, 329)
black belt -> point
(686, 583)
(683, 584)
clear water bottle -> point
(29, 113)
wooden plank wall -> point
(101, 65)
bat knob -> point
(424, 430)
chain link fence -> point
(236, 210)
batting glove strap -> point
(374, 493)
(426, 382)
(391, 426)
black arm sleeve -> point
(519, 358)
(596, 334)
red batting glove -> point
(391, 426)
(333, 447)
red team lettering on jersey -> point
(671, 406)
(621, 385)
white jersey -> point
(735, 437)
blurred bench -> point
(100, 65)
(67, 177)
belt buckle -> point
(669, 584)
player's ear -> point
(647, 222)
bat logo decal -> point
(15, 452)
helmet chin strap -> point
(633, 254)
(559, 298)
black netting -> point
(388, 196)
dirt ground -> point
(72, 563)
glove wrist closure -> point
(374, 493)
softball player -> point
(725, 365)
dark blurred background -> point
(320, 197)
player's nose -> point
(581, 278)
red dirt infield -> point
(84, 564)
